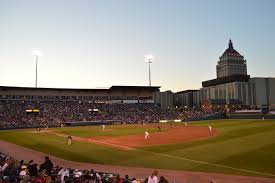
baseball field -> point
(239, 147)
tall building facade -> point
(233, 83)
(187, 98)
(231, 63)
(164, 99)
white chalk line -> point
(94, 141)
(110, 144)
(186, 159)
(207, 163)
(175, 157)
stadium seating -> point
(12, 170)
(35, 113)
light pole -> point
(36, 54)
(149, 59)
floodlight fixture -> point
(36, 53)
(149, 59)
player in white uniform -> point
(147, 135)
(69, 140)
(185, 123)
(103, 127)
(210, 128)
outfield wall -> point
(251, 116)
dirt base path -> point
(169, 135)
(174, 135)
(26, 154)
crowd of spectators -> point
(13, 171)
(35, 113)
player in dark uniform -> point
(159, 128)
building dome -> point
(230, 51)
(231, 63)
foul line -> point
(104, 143)
(170, 156)
(93, 141)
(186, 159)
(207, 163)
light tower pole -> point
(149, 59)
(36, 54)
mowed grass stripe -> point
(148, 157)
(230, 124)
(261, 159)
(212, 152)
(79, 151)
(237, 139)
(215, 164)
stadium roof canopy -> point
(187, 91)
(226, 79)
(111, 88)
(112, 91)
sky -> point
(100, 43)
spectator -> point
(126, 180)
(26, 179)
(4, 166)
(32, 168)
(134, 180)
(55, 113)
(153, 178)
(163, 180)
(23, 171)
(47, 165)
(11, 171)
(64, 173)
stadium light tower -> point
(149, 59)
(36, 54)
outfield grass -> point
(241, 144)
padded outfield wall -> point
(251, 116)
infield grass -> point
(241, 144)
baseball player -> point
(210, 128)
(171, 124)
(159, 128)
(103, 127)
(147, 135)
(69, 140)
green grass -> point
(92, 131)
(241, 144)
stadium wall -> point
(251, 116)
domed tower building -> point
(231, 63)
(234, 87)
